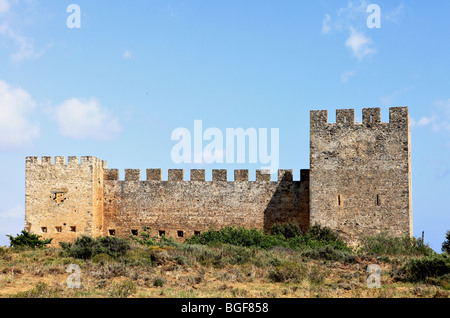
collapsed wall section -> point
(179, 209)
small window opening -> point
(44, 229)
(339, 200)
(180, 233)
(162, 233)
(345, 119)
(73, 229)
(371, 119)
(112, 232)
(134, 232)
(378, 200)
(58, 229)
(196, 232)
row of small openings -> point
(340, 201)
(180, 234)
(58, 229)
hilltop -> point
(233, 262)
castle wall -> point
(360, 173)
(176, 206)
(64, 200)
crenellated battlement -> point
(370, 116)
(61, 161)
(358, 183)
(199, 175)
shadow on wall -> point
(290, 202)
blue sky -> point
(118, 86)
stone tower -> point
(64, 200)
(360, 173)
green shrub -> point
(236, 236)
(86, 247)
(41, 290)
(292, 272)
(26, 239)
(287, 230)
(288, 272)
(322, 234)
(158, 282)
(446, 243)
(284, 235)
(330, 254)
(123, 289)
(146, 238)
(385, 244)
(423, 268)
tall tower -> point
(64, 200)
(360, 173)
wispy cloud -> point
(15, 212)
(439, 119)
(390, 99)
(4, 6)
(127, 54)
(25, 49)
(359, 44)
(326, 24)
(80, 119)
(352, 19)
(346, 76)
(16, 110)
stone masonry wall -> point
(64, 200)
(360, 173)
(182, 208)
(359, 183)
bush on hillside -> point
(422, 269)
(385, 244)
(26, 239)
(446, 243)
(86, 247)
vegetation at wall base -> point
(26, 239)
(232, 262)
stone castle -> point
(359, 183)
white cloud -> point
(4, 6)
(16, 106)
(127, 54)
(80, 119)
(359, 44)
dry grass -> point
(199, 271)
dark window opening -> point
(73, 229)
(134, 232)
(339, 200)
(378, 200)
(112, 232)
(180, 233)
(196, 232)
(58, 229)
(44, 229)
(162, 233)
